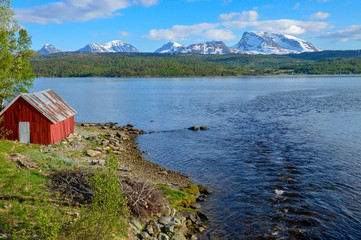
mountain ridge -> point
(48, 49)
(250, 43)
(112, 46)
(211, 48)
(273, 43)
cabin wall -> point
(61, 130)
(22, 111)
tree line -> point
(157, 65)
(118, 65)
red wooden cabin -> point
(41, 117)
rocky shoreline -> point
(185, 223)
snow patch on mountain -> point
(112, 46)
(272, 43)
(170, 47)
(214, 47)
(48, 49)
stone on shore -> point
(202, 216)
(163, 236)
(136, 225)
(179, 236)
(144, 235)
(184, 215)
(170, 220)
(194, 128)
(204, 189)
(92, 153)
(195, 205)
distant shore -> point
(194, 65)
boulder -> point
(183, 230)
(202, 216)
(163, 236)
(165, 220)
(136, 225)
(155, 227)
(195, 205)
(149, 229)
(194, 128)
(184, 215)
(92, 153)
(169, 228)
(193, 237)
(179, 236)
(172, 212)
(204, 189)
(144, 235)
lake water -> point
(283, 154)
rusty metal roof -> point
(50, 104)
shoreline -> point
(173, 222)
(130, 156)
(160, 203)
(217, 76)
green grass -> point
(25, 219)
(19, 181)
(177, 198)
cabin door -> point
(24, 132)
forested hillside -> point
(166, 65)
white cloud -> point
(319, 16)
(228, 16)
(283, 26)
(344, 35)
(248, 16)
(179, 32)
(125, 33)
(76, 10)
(145, 3)
(237, 21)
(219, 34)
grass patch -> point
(179, 199)
(18, 181)
(106, 218)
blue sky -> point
(148, 24)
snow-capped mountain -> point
(119, 46)
(93, 47)
(272, 43)
(214, 47)
(170, 47)
(48, 49)
(113, 46)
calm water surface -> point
(282, 155)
